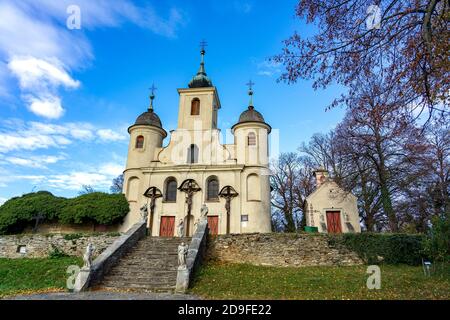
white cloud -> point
(32, 73)
(19, 135)
(47, 107)
(268, 68)
(42, 53)
(35, 161)
(3, 200)
(110, 135)
(98, 178)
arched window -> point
(139, 142)
(171, 190)
(251, 139)
(212, 188)
(195, 107)
(192, 154)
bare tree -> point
(291, 183)
(117, 184)
(405, 42)
(86, 189)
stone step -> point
(141, 282)
(151, 265)
(146, 274)
(162, 289)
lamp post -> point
(228, 193)
(190, 187)
(152, 193)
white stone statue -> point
(144, 212)
(87, 257)
(182, 253)
(196, 224)
(180, 228)
(204, 211)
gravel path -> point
(104, 295)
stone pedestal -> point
(82, 280)
(182, 280)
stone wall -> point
(278, 249)
(39, 246)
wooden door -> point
(213, 224)
(334, 222)
(167, 227)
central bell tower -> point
(199, 104)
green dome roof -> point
(201, 80)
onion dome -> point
(149, 117)
(201, 80)
(251, 115)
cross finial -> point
(250, 92)
(203, 45)
(152, 96)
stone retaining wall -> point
(40, 246)
(278, 249)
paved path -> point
(104, 295)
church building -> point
(194, 169)
(329, 208)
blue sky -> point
(68, 96)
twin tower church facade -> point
(172, 183)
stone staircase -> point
(150, 266)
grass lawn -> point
(243, 281)
(34, 275)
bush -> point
(385, 248)
(18, 212)
(98, 207)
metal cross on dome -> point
(203, 44)
(250, 85)
(152, 96)
(153, 88)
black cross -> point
(250, 85)
(153, 88)
(203, 45)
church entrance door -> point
(167, 227)
(213, 224)
(334, 222)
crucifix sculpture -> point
(228, 193)
(37, 219)
(190, 187)
(152, 193)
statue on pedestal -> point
(182, 253)
(87, 257)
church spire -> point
(152, 97)
(250, 93)
(201, 79)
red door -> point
(167, 227)
(334, 222)
(213, 224)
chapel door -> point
(213, 224)
(334, 222)
(167, 227)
